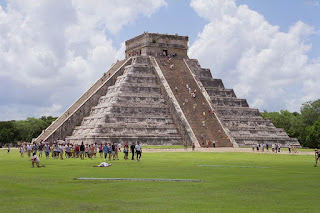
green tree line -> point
(23, 130)
(305, 126)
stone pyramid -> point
(158, 96)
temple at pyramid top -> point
(157, 95)
(155, 44)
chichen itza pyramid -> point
(157, 95)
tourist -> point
(95, 150)
(29, 149)
(267, 147)
(119, 147)
(100, 150)
(35, 147)
(317, 156)
(103, 164)
(35, 160)
(126, 151)
(214, 144)
(55, 151)
(203, 123)
(253, 147)
(68, 151)
(21, 150)
(279, 147)
(109, 151)
(61, 150)
(40, 149)
(193, 146)
(82, 151)
(47, 150)
(273, 147)
(87, 151)
(113, 153)
(76, 151)
(105, 151)
(91, 151)
(185, 145)
(8, 150)
(289, 148)
(139, 151)
(72, 155)
(262, 147)
(132, 147)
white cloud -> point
(52, 51)
(270, 68)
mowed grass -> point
(291, 184)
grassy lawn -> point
(291, 184)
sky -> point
(51, 52)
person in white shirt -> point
(103, 164)
(138, 151)
(29, 149)
(35, 160)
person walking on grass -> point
(82, 151)
(317, 156)
(95, 147)
(91, 151)
(139, 151)
(47, 150)
(35, 160)
(100, 150)
(21, 151)
(113, 152)
(109, 151)
(126, 150)
(105, 151)
(132, 147)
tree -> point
(7, 132)
(310, 112)
(313, 135)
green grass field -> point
(291, 184)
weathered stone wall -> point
(132, 110)
(154, 44)
(74, 119)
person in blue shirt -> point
(105, 151)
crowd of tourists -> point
(62, 150)
(276, 147)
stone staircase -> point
(64, 125)
(133, 109)
(245, 124)
(195, 108)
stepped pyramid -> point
(158, 96)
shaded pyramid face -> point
(245, 125)
(133, 109)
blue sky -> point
(51, 52)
